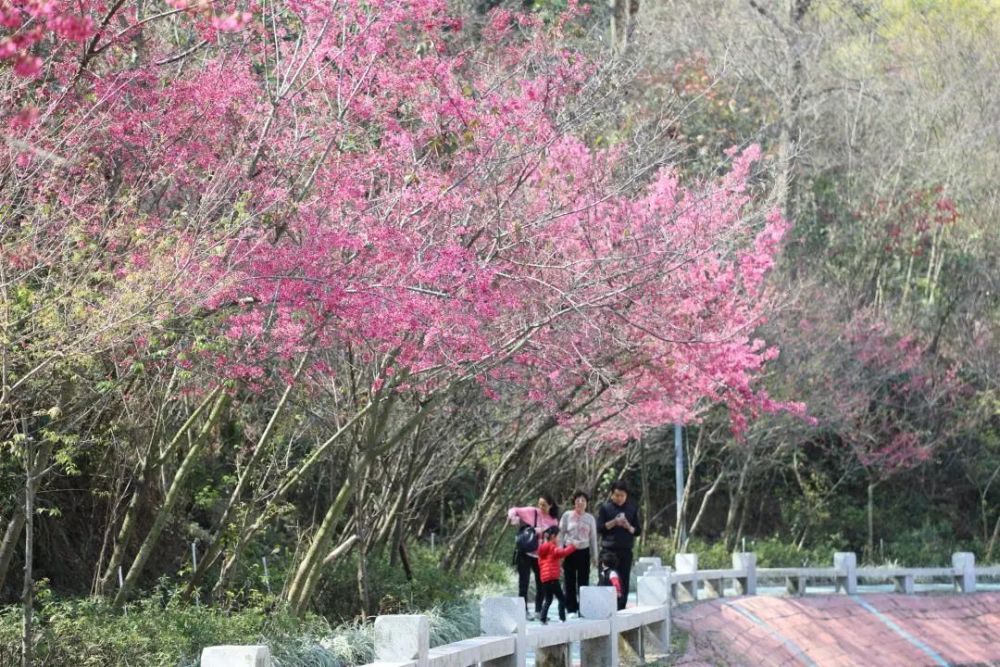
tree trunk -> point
(790, 100)
(736, 499)
(18, 520)
(513, 458)
(307, 574)
(623, 14)
(150, 465)
(11, 537)
(991, 545)
(169, 501)
(741, 527)
(215, 542)
(870, 546)
(704, 502)
(291, 481)
(375, 443)
(363, 589)
(341, 549)
(28, 590)
(404, 558)
(694, 459)
(644, 483)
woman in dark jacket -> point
(618, 525)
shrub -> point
(771, 552)
(162, 631)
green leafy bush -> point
(162, 631)
(390, 592)
(930, 544)
(771, 552)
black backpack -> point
(527, 537)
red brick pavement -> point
(840, 631)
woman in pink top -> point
(578, 527)
(543, 516)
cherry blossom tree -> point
(278, 196)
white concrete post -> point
(654, 591)
(746, 561)
(642, 567)
(236, 656)
(964, 564)
(599, 603)
(686, 564)
(502, 617)
(846, 563)
(402, 637)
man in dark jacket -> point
(618, 525)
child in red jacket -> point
(549, 555)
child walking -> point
(608, 575)
(549, 556)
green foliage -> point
(390, 591)
(929, 544)
(774, 552)
(89, 632)
(771, 552)
(162, 631)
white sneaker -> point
(530, 615)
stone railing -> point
(402, 641)
(507, 640)
(688, 583)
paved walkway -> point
(840, 631)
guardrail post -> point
(642, 567)
(745, 561)
(236, 656)
(599, 603)
(686, 564)
(654, 591)
(964, 564)
(404, 637)
(502, 617)
(846, 563)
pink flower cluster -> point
(347, 181)
(28, 22)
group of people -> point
(548, 545)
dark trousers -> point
(552, 589)
(576, 568)
(525, 566)
(624, 569)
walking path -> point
(840, 631)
